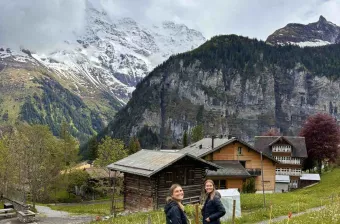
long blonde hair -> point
(213, 193)
(171, 192)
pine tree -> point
(185, 139)
(197, 133)
(133, 146)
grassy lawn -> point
(100, 208)
(252, 205)
(96, 209)
(330, 214)
(297, 201)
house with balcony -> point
(239, 160)
(290, 151)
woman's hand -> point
(207, 219)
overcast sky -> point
(46, 23)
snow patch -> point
(315, 43)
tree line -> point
(36, 166)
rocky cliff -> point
(319, 33)
(231, 85)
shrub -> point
(249, 186)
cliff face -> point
(231, 85)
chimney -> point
(212, 141)
(200, 146)
(229, 136)
(221, 136)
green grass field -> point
(330, 214)
(101, 207)
(252, 205)
(297, 201)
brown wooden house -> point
(290, 151)
(233, 151)
(148, 175)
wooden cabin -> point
(290, 151)
(148, 175)
(232, 149)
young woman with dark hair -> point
(212, 209)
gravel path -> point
(48, 216)
(280, 218)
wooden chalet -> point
(148, 175)
(232, 152)
(290, 151)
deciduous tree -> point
(109, 151)
(322, 136)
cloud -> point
(253, 18)
(39, 24)
(45, 24)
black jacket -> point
(174, 214)
(213, 209)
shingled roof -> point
(230, 169)
(149, 162)
(204, 147)
(263, 143)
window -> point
(220, 184)
(181, 178)
(239, 151)
(168, 178)
(190, 176)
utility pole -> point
(264, 196)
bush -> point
(249, 186)
(63, 196)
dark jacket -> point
(174, 214)
(213, 209)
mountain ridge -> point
(319, 33)
(231, 85)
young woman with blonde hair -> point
(174, 209)
(212, 209)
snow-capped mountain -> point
(315, 34)
(113, 55)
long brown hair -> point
(171, 192)
(213, 193)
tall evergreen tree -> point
(197, 133)
(134, 145)
(185, 139)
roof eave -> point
(130, 172)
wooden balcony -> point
(286, 160)
(289, 173)
(254, 172)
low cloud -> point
(46, 24)
(39, 24)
